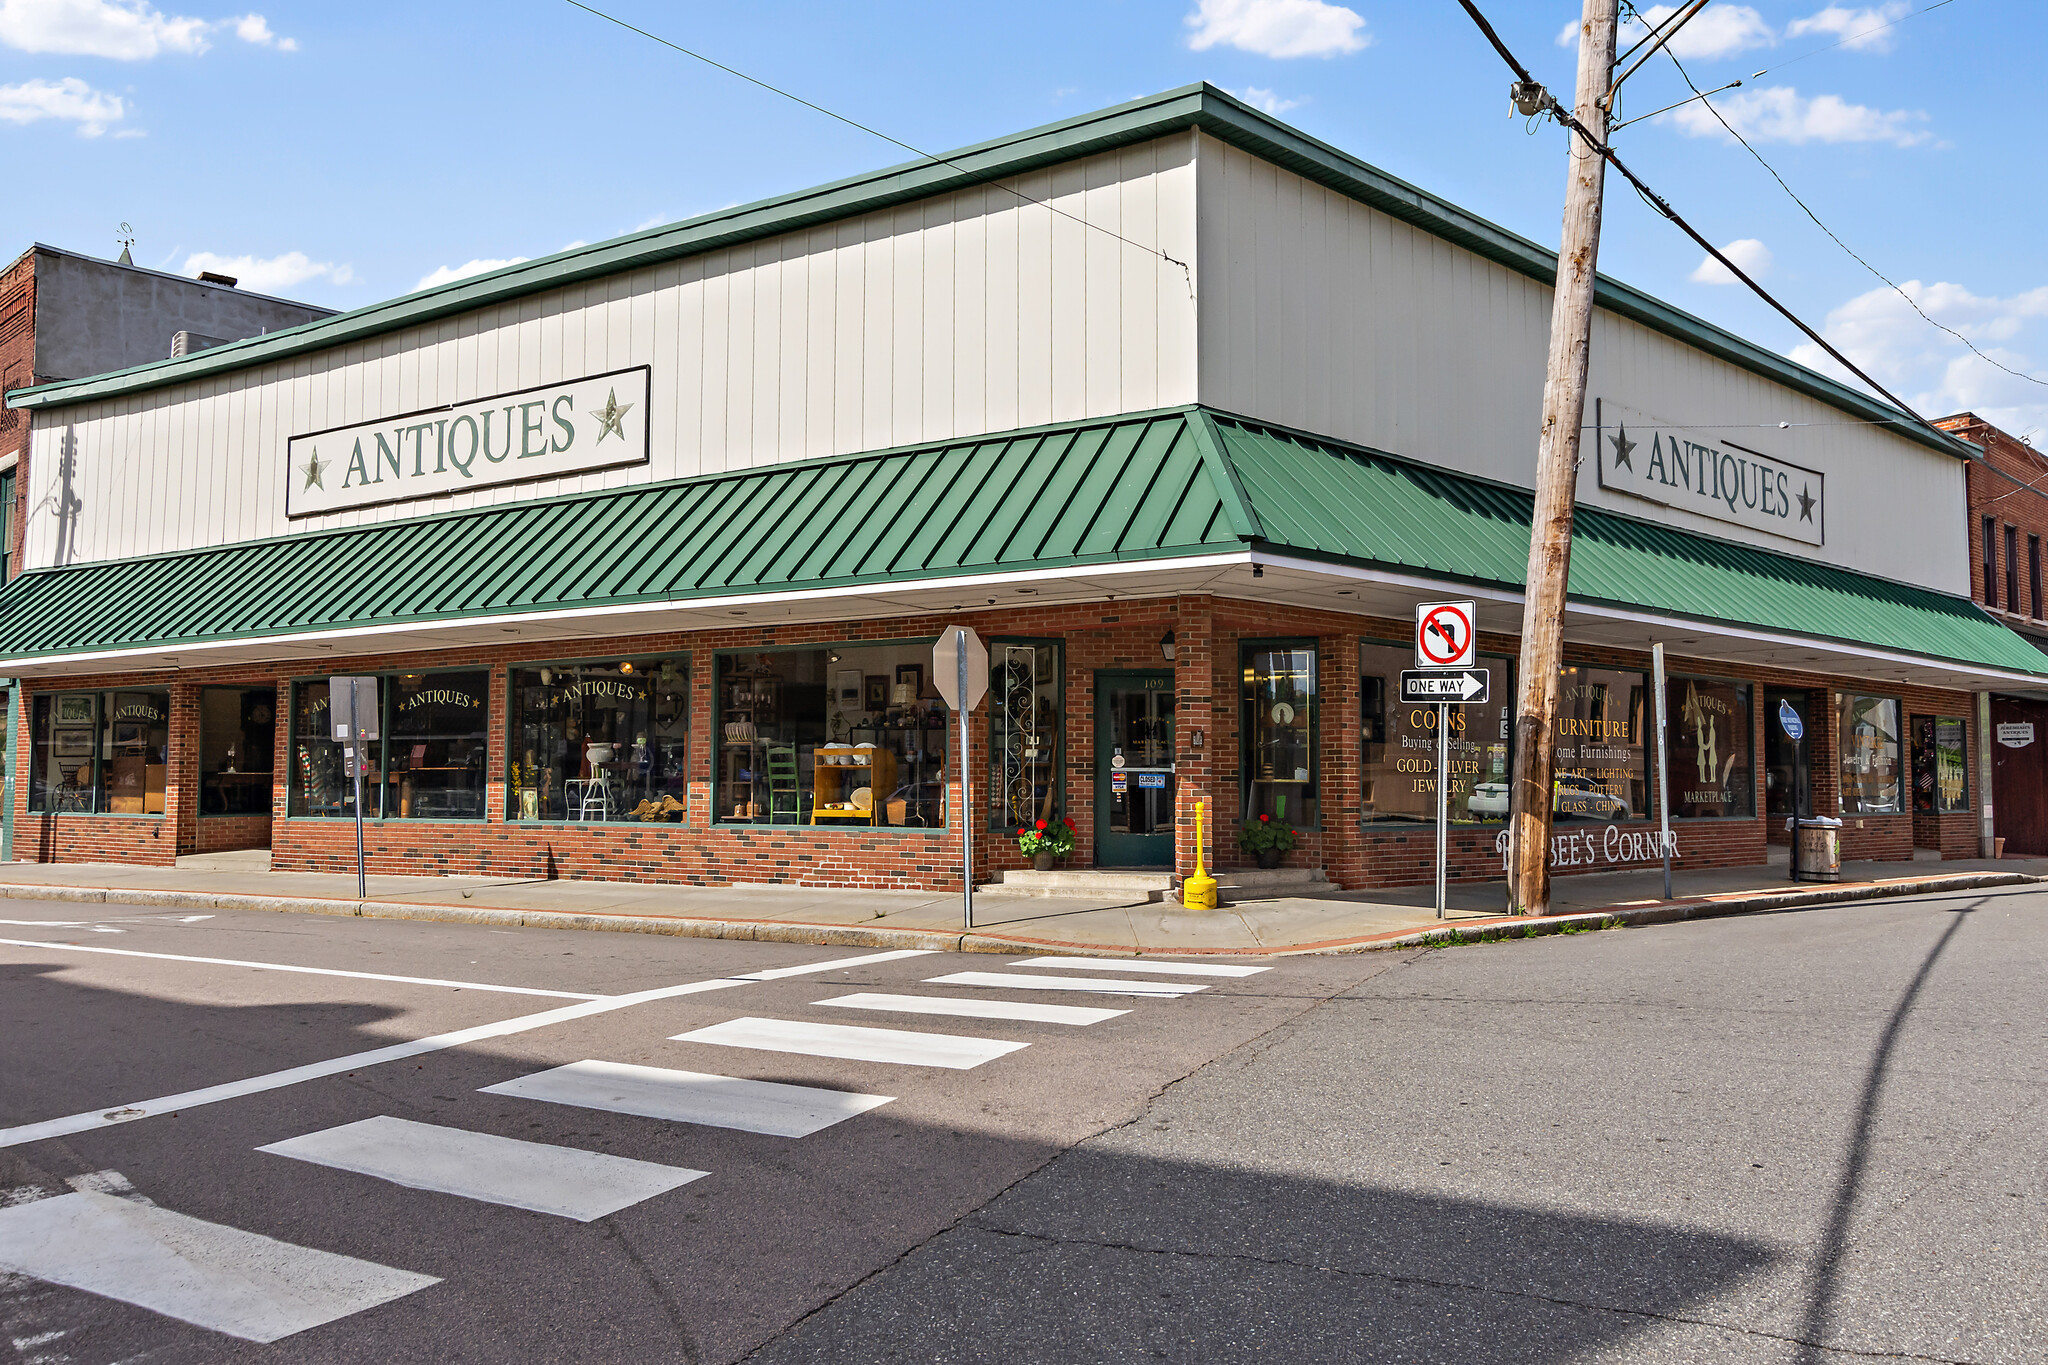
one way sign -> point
(1451, 685)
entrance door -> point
(1134, 769)
(2019, 774)
(1783, 758)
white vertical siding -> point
(955, 316)
(1323, 314)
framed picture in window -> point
(877, 698)
(128, 732)
(849, 687)
(912, 674)
(72, 743)
(75, 710)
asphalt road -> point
(1804, 1137)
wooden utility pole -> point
(1557, 467)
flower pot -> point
(1042, 862)
(1269, 858)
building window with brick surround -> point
(1869, 729)
(1941, 768)
(1990, 562)
(601, 740)
(2034, 577)
(1025, 721)
(1397, 745)
(428, 766)
(1712, 768)
(99, 752)
(2012, 569)
(1279, 730)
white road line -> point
(356, 1061)
(961, 1007)
(1163, 990)
(220, 1278)
(854, 1043)
(46, 923)
(566, 1181)
(1121, 964)
(692, 1097)
(308, 971)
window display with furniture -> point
(600, 740)
(99, 752)
(237, 749)
(428, 766)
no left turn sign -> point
(1443, 635)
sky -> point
(344, 154)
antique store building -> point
(1180, 409)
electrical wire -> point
(1846, 248)
(892, 141)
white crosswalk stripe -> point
(1028, 981)
(222, 1278)
(854, 1043)
(1123, 964)
(966, 1008)
(692, 1097)
(565, 1181)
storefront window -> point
(319, 780)
(600, 741)
(1869, 729)
(1398, 744)
(1941, 769)
(1024, 732)
(237, 744)
(847, 736)
(1710, 763)
(1279, 730)
(103, 752)
(1600, 773)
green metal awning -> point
(1148, 489)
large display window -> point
(1599, 771)
(429, 765)
(601, 740)
(237, 749)
(1279, 730)
(1941, 766)
(1397, 745)
(100, 752)
(1711, 762)
(1025, 731)
(1869, 735)
(843, 736)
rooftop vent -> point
(208, 277)
(191, 343)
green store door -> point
(1134, 769)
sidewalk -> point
(1342, 922)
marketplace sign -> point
(557, 429)
(1701, 472)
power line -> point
(1847, 249)
(1852, 37)
(892, 141)
(1658, 203)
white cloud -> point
(1717, 31)
(1751, 257)
(1259, 98)
(267, 275)
(70, 99)
(124, 30)
(1932, 370)
(1277, 28)
(1781, 114)
(254, 28)
(447, 274)
(1862, 30)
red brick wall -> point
(17, 370)
(1114, 635)
(2009, 485)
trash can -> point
(1818, 858)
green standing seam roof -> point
(1120, 490)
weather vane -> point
(126, 237)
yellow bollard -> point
(1198, 892)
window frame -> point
(1989, 531)
(269, 810)
(1247, 646)
(1752, 693)
(1902, 739)
(1059, 741)
(1503, 695)
(1648, 743)
(384, 694)
(2012, 569)
(2034, 575)
(102, 737)
(511, 728)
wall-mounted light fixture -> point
(1167, 647)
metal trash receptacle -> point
(1820, 850)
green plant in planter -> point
(1052, 838)
(1266, 838)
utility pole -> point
(1557, 463)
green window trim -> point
(1312, 784)
(1000, 810)
(682, 658)
(294, 779)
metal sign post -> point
(1663, 769)
(960, 670)
(352, 710)
(1795, 730)
(1444, 641)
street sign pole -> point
(352, 713)
(1443, 802)
(355, 767)
(1663, 769)
(966, 801)
(960, 671)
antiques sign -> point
(569, 428)
(1693, 469)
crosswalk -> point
(243, 1284)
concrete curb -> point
(881, 936)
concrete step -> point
(1089, 883)
(1236, 885)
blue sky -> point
(347, 153)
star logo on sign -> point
(313, 468)
(611, 415)
(1623, 448)
(1806, 502)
